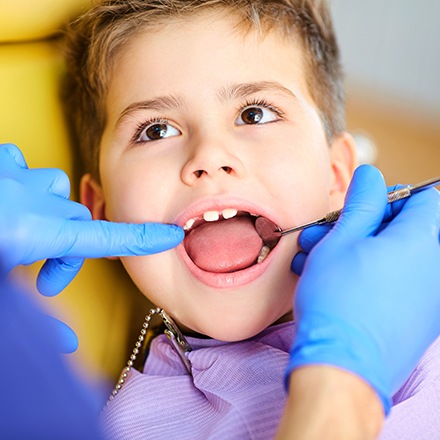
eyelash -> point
(249, 104)
(261, 103)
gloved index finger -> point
(309, 237)
(99, 238)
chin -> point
(235, 330)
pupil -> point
(252, 115)
(157, 131)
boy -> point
(205, 114)
(175, 152)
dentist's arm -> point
(41, 398)
(367, 307)
(39, 222)
(328, 403)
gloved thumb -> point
(68, 341)
(365, 206)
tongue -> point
(224, 246)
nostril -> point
(198, 173)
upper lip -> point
(198, 208)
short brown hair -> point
(94, 40)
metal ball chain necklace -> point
(173, 333)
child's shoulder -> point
(416, 406)
(426, 373)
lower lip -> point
(226, 280)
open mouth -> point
(224, 241)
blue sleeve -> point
(40, 397)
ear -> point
(343, 162)
(92, 196)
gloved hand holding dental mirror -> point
(271, 234)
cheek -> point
(147, 275)
(336, 201)
(301, 179)
(132, 194)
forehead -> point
(208, 50)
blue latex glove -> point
(368, 299)
(40, 397)
(38, 222)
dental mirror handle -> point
(393, 196)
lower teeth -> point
(265, 250)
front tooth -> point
(229, 213)
(265, 250)
(189, 224)
(211, 216)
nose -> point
(211, 160)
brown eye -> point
(157, 131)
(252, 115)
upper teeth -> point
(212, 216)
(229, 213)
(189, 224)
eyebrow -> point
(159, 103)
(233, 91)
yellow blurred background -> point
(101, 304)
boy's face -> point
(202, 119)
